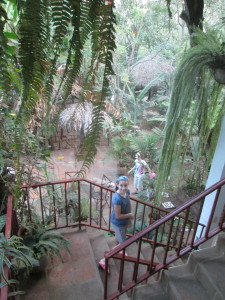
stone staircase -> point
(79, 277)
(101, 243)
(201, 278)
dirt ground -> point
(63, 162)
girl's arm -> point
(131, 170)
(117, 209)
(149, 170)
(146, 166)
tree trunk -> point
(193, 14)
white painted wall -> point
(217, 172)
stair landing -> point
(75, 279)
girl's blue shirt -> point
(117, 199)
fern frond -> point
(61, 16)
(34, 45)
(106, 46)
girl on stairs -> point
(121, 215)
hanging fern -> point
(102, 49)
(42, 28)
(197, 104)
(33, 50)
(61, 16)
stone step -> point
(200, 279)
(177, 262)
(188, 288)
(99, 246)
(208, 264)
(202, 255)
(128, 266)
(220, 243)
(147, 292)
(132, 250)
(146, 251)
(211, 274)
(180, 283)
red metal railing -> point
(184, 243)
(81, 202)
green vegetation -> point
(15, 255)
(163, 86)
(43, 242)
(197, 107)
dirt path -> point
(63, 161)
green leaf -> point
(147, 88)
(2, 222)
(9, 50)
(11, 35)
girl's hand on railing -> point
(129, 223)
(130, 216)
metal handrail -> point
(138, 238)
(105, 188)
(140, 207)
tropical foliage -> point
(38, 36)
(15, 255)
(124, 147)
(197, 106)
(44, 242)
(33, 46)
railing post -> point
(197, 222)
(79, 204)
(222, 219)
(153, 250)
(106, 278)
(28, 204)
(168, 241)
(212, 213)
(135, 217)
(42, 211)
(8, 225)
(90, 213)
(183, 230)
(53, 199)
(66, 204)
(136, 265)
(110, 209)
(100, 221)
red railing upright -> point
(182, 245)
(9, 229)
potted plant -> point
(15, 255)
(43, 243)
